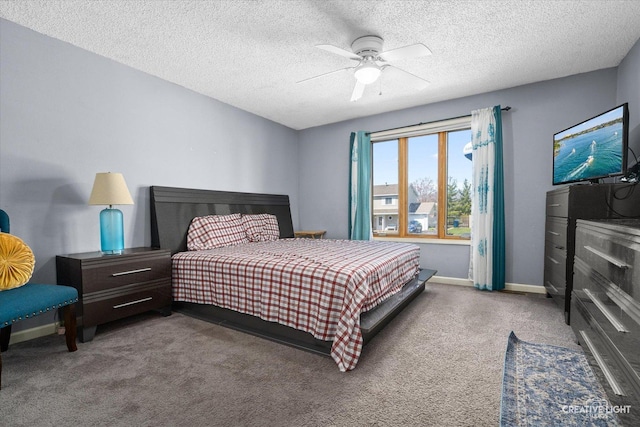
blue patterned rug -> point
(546, 385)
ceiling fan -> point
(372, 61)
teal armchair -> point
(31, 300)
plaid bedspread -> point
(319, 286)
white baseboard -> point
(514, 287)
(33, 333)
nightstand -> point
(111, 287)
(310, 234)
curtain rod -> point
(507, 108)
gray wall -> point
(538, 111)
(629, 91)
(67, 113)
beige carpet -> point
(438, 364)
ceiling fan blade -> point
(358, 90)
(403, 73)
(339, 51)
(411, 51)
(325, 74)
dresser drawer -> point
(616, 312)
(611, 367)
(112, 304)
(555, 283)
(556, 231)
(555, 270)
(558, 203)
(555, 258)
(613, 254)
(104, 276)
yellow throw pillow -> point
(16, 262)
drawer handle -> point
(605, 369)
(552, 287)
(558, 247)
(553, 233)
(124, 273)
(555, 205)
(607, 313)
(133, 302)
(553, 260)
(612, 260)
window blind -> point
(457, 123)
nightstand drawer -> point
(108, 276)
(108, 305)
(111, 287)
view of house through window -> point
(422, 185)
(385, 187)
(422, 194)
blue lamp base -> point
(111, 231)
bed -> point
(350, 325)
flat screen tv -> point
(592, 150)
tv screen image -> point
(593, 149)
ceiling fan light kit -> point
(367, 72)
(372, 60)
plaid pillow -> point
(261, 227)
(215, 231)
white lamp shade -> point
(367, 73)
(110, 189)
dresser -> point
(112, 287)
(564, 207)
(606, 307)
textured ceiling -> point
(250, 54)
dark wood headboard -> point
(172, 210)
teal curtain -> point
(499, 249)
(487, 263)
(360, 187)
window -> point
(422, 181)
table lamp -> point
(110, 189)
